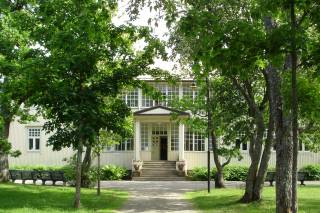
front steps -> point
(159, 171)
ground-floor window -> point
(194, 141)
(144, 136)
(34, 139)
(174, 137)
(125, 145)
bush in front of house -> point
(36, 168)
(198, 173)
(235, 173)
(113, 172)
(230, 173)
(312, 171)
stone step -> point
(158, 174)
(159, 162)
(158, 169)
(159, 179)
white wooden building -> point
(156, 136)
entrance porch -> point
(157, 137)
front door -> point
(163, 148)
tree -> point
(105, 139)
(19, 63)
(88, 62)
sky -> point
(122, 18)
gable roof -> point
(159, 110)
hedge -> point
(108, 172)
(239, 173)
(312, 171)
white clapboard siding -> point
(45, 156)
(120, 158)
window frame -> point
(36, 136)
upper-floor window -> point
(34, 139)
(169, 93)
(147, 101)
(188, 91)
(131, 98)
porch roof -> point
(159, 111)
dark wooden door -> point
(163, 148)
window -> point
(174, 137)
(34, 139)
(188, 92)
(172, 94)
(159, 129)
(198, 142)
(146, 101)
(194, 141)
(131, 98)
(125, 145)
(144, 136)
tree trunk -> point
(219, 180)
(262, 172)
(257, 191)
(283, 151)
(4, 161)
(86, 164)
(294, 107)
(78, 175)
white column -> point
(181, 141)
(137, 140)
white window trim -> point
(34, 137)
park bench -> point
(44, 176)
(302, 177)
(272, 175)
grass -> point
(37, 199)
(226, 201)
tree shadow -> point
(60, 199)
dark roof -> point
(139, 112)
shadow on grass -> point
(227, 200)
(26, 198)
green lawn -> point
(226, 201)
(34, 199)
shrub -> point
(230, 173)
(199, 173)
(235, 173)
(112, 172)
(312, 171)
(37, 167)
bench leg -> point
(53, 183)
(302, 183)
(23, 181)
(43, 182)
(271, 183)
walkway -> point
(157, 196)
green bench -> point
(44, 176)
(272, 175)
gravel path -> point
(158, 196)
